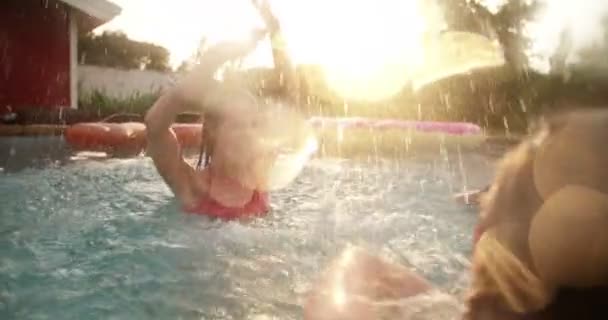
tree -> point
(559, 59)
(593, 58)
(116, 50)
(185, 66)
(505, 24)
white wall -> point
(121, 83)
(73, 58)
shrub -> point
(102, 104)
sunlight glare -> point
(456, 52)
(366, 48)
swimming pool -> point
(92, 239)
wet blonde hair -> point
(545, 219)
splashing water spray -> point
(280, 134)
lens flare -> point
(455, 52)
(289, 138)
(289, 163)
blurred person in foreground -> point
(540, 245)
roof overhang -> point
(101, 11)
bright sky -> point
(338, 34)
(179, 25)
(582, 17)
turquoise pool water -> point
(91, 239)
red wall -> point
(34, 54)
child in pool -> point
(236, 167)
(541, 250)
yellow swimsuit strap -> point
(503, 274)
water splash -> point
(106, 238)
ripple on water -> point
(105, 239)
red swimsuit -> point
(257, 206)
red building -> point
(38, 49)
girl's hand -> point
(263, 7)
(199, 87)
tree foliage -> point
(116, 50)
(595, 56)
(506, 24)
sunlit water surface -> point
(90, 239)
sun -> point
(366, 48)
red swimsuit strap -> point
(258, 205)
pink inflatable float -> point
(390, 137)
(451, 128)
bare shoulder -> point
(357, 285)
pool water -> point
(104, 239)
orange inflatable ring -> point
(188, 134)
(127, 138)
(116, 138)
